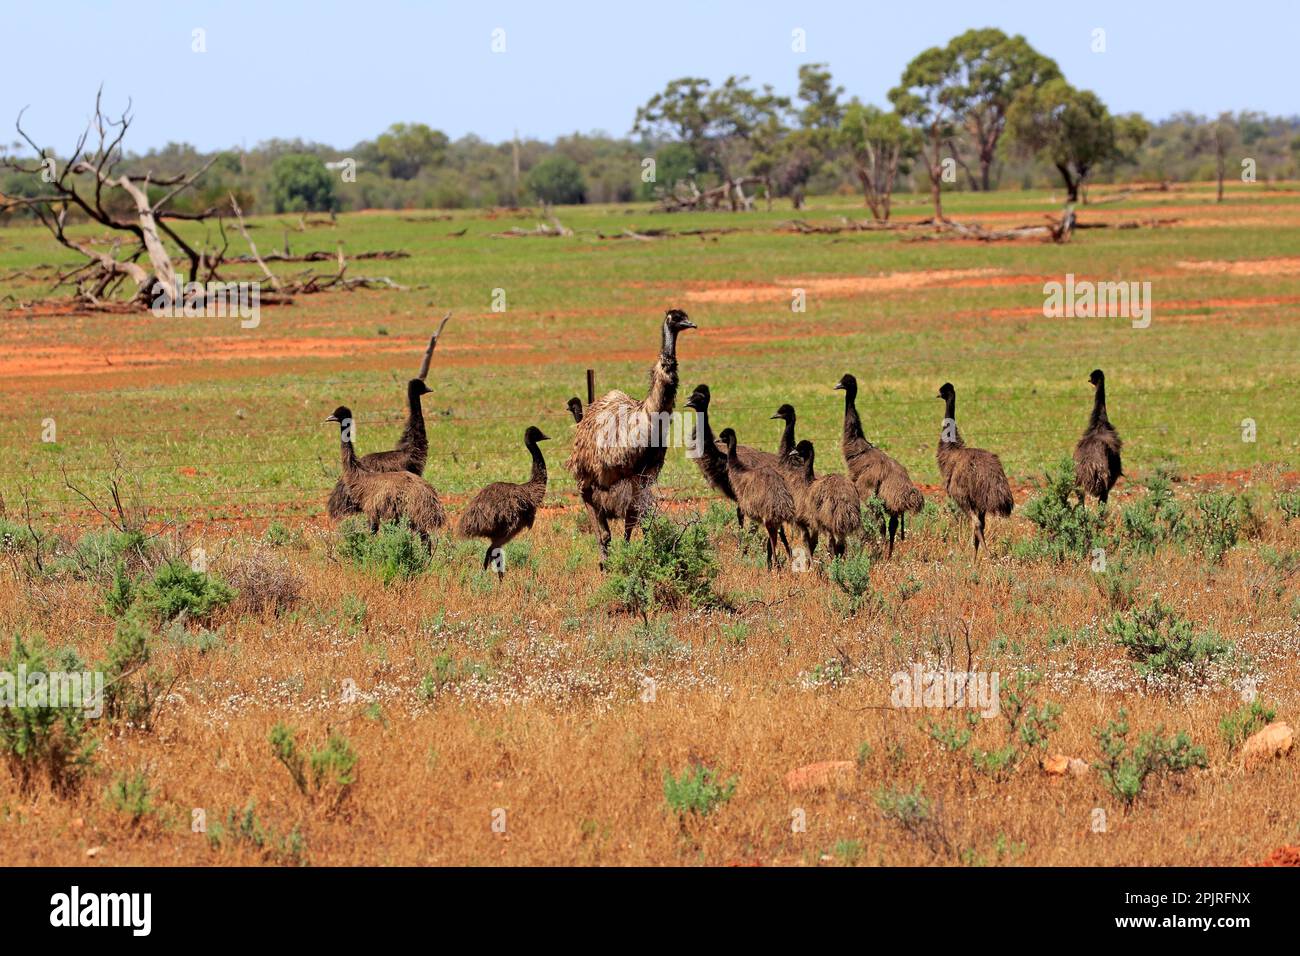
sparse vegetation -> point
(1163, 643)
(698, 791)
(671, 565)
(1125, 767)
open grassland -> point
(525, 721)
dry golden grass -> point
(560, 736)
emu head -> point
(699, 400)
(534, 434)
(574, 405)
(947, 392)
(1097, 377)
(729, 437)
(847, 383)
(417, 387)
(785, 413)
(675, 320)
(805, 451)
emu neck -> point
(787, 438)
(668, 351)
(1099, 407)
(808, 468)
(414, 430)
(663, 379)
(949, 415)
(710, 446)
(348, 454)
(538, 476)
(733, 461)
(852, 423)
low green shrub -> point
(670, 565)
(851, 576)
(1125, 768)
(177, 589)
(1067, 528)
(1156, 519)
(698, 791)
(326, 774)
(1162, 642)
(38, 737)
(394, 552)
(1239, 724)
(131, 795)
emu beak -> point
(839, 387)
(544, 438)
(332, 418)
(776, 416)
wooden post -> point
(591, 385)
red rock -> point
(1275, 740)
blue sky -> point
(340, 72)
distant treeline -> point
(986, 111)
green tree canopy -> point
(988, 69)
(301, 183)
(881, 147)
(406, 149)
(556, 179)
(1071, 129)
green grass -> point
(251, 426)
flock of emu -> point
(777, 490)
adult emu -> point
(621, 439)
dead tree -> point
(87, 183)
(91, 184)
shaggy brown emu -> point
(625, 496)
(826, 505)
(504, 509)
(621, 439)
(972, 477)
(386, 495)
(873, 472)
(412, 449)
(1096, 458)
(761, 493)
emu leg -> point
(601, 521)
(902, 526)
(785, 542)
(893, 527)
(771, 547)
(979, 533)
